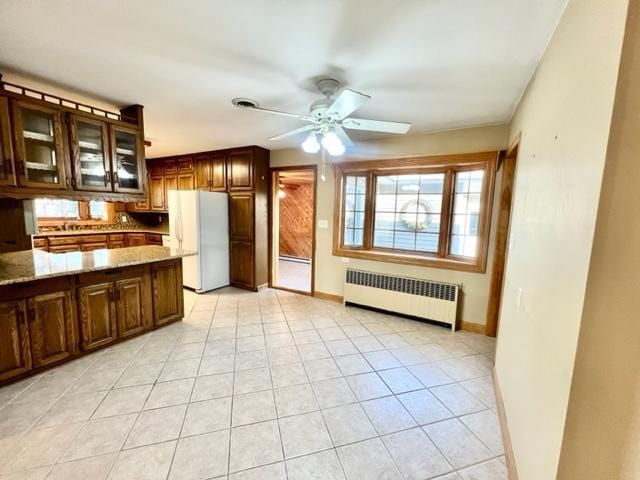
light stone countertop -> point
(29, 265)
(64, 233)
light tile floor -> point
(267, 386)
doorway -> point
(496, 287)
(293, 207)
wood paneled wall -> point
(296, 220)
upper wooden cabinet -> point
(7, 172)
(39, 145)
(174, 173)
(240, 166)
(218, 172)
(90, 154)
(128, 160)
(54, 146)
(156, 192)
(202, 170)
(211, 171)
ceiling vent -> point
(244, 103)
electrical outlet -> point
(345, 259)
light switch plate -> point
(323, 223)
(345, 259)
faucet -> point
(65, 224)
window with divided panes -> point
(432, 211)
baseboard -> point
(512, 471)
(328, 296)
(472, 327)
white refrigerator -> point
(199, 221)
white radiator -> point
(409, 296)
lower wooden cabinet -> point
(136, 239)
(168, 302)
(47, 322)
(52, 327)
(97, 315)
(133, 305)
(15, 347)
(241, 262)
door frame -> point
(508, 161)
(273, 192)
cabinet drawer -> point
(88, 247)
(94, 239)
(63, 240)
(170, 167)
(154, 238)
(29, 289)
(103, 276)
(40, 243)
(117, 237)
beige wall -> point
(564, 118)
(330, 269)
(602, 432)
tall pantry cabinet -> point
(244, 174)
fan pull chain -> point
(323, 166)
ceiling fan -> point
(328, 118)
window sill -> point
(419, 260)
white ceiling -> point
(440, 64)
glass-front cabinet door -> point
(127, 159)
(7, 171)
(39, 146)
(90, 154)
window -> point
(431, 211)
(355, 189)
(407, 211)
(98, 210)
(54, 210)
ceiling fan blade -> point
(376, 125)
(306, 128)
(344, 138)
(277, 112)
(347, 102)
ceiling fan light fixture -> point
(332, 144)
(311, 145)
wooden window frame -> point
(447, 164)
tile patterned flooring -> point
(268, 386)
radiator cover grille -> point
(412, 286)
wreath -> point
(415, 223)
